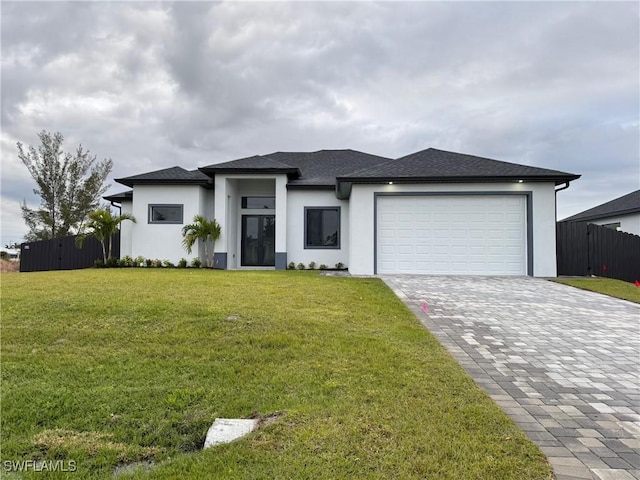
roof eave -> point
(587, 218)
(130, 183)
(307, 186)
(557, 179)
(119, 197)
(290, 172)
(344, 184)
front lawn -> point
(607, 286)
(108, 368)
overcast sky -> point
(152, 85)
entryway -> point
(258, 241)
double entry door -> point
(258, 241)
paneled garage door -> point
(452, 234)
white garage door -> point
(452, 234)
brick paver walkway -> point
(563, 363)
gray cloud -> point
(152, 85)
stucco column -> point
(220, 214)
(281, 222)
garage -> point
(470, 234)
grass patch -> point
(131, 366)
(607, 286)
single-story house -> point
(431, 212)
(622, 214)
(10, 253)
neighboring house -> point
(431, 212)
(10, 253)
(622, 214)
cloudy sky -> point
(152, 85)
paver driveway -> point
(563, 363)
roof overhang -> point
(344, 184)
(119, 197)
(309, 186)
(130, 183)
(291, 172)
(588, 218)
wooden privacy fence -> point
(588, 249)
(63, 254)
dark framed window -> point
(166, 213)
(259, 203)
(322, 227)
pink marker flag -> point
(425, 308)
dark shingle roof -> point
(255, 164)
(439, 165)
(119, 197)
(331, 169)
(172, 175)
(629, 203)
(305, 169)
(322, 167)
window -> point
(165, 213)
(259, 202)
(322, 227)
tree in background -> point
(102, 225)
(204, 230)
(69, 186)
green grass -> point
(112, 367)
(607, 286)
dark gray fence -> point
(588, 249)
(63, 254)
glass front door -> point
(258, 241)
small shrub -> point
(168, 264)
(140, 261)
(126, 261)
(339, 266)
(182, 263)
(98, 263)
(148, 262)
(312, 265)
(196, 263)
(291, 266)
(301, 266)
(156, 263)
(323, 267)
(4, 256)
(112, 262)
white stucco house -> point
(622, 214)
(431, 212)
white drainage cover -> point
(225, 430)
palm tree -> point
(201, 229)
(102, 225)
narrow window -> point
(322, 227)
(268, 203)
(165, 213)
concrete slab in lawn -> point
(225, 430)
